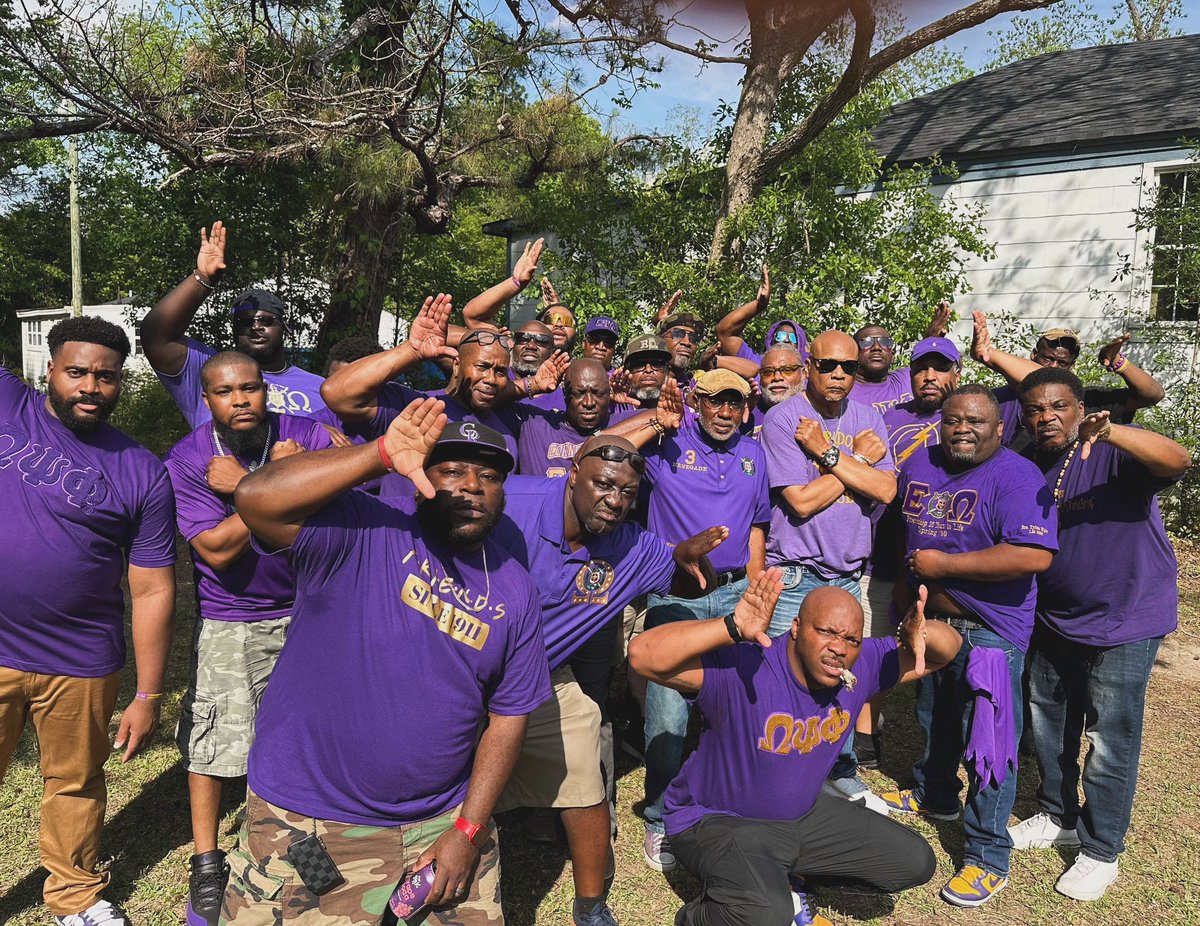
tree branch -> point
(56, 128)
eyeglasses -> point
(683, 334)
(246, 320)
(610, 453)
(781, 336)
(884, 342)
(826, 367)
(648, 363)
(736, 402)
(486, 338)
(597, 337)
(769, 372)
(525, 337)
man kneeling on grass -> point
(746, 815)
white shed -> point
(36, 324)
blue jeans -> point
(666, 710)
(798, 581)
(1076, 689)
(944, 709)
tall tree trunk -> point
(362, 275)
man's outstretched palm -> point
(411, 437)
(210, 261)
(753, 613)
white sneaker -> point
(853, 789)
(656, 850)
(1087, 879)
(101, 913)
(1041, 832)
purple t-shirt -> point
(78, 508)
(548, 442)
(397, 650)
(254, 587)
(1002, 500)
(393, 398)
(697, 484)
(1115, 579)
(767, 741)
(291, 392)
(549, 401)
(833, 542)
(893, 389)
(581, 590)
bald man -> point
(590, 562)
(829, 466)
(748, 815)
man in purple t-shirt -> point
(748, 814)
(1100, 620)
(878, 384)
(979, 526)
(413, 630)
(600, 339)
(258, 331)
(245, 599)
(81, 500)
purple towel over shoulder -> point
(991, 746)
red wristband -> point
(383, 456)
(470, 830)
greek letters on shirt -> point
(783, 733)
(458, 612)
(42, 465)
(285, 401)
(937, 514)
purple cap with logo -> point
(603, 323)
(941, 346)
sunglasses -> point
(736, 403)
(598, 338)
(1069, 343)
(650, 363)
(826, 367)
(781, 336)
(768, 372)
(610, 453)
(485, 338)
(868, 343)
(683, 334)
(526, 337)
(246, 320)
(561, 319)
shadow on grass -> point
(529, 870)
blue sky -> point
(685, 87)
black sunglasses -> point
(653, 363)
(1069, 343)
(736, 403)
(826, 367)
(246, 320)
(884, 342)
(937, 362)
(599, 337)
(683, 334)
(610, 453)
(484, 338)
(524, 337)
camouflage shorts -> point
(264, 889)
(231, 663)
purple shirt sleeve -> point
(154, 526)
(787, 463)
(184, 387)
(198, 507)
(746, 352)
(1028, 516)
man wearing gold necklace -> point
(1097, 630)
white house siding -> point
(35, 353)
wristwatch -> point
(829, 459)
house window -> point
(1175, 277)
(35, 334)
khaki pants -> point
(71, 718)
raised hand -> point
(223, 474)
(811, 436)
(210, 261)
(528, 261)
(753, 613)
(708, 359)
(411, 437)
(912, 630)
(427, 332)
(668, 307)
(764, 291)
(1108, 353)
(1095, 427)
(670, 405)
(619, 383)
(869, 444)
(940, 322)
(690, 555)
(282, 449)
(981, 339)
(549, 293)
(551, 372)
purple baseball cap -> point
(603, 323)
(941, 346)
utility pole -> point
(76, 255)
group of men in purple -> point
(410, 604)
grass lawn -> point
(147, 834)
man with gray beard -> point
(780, 376)
(533, 343)
(640, 379)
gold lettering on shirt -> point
(456, 624)
(802, 735)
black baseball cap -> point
(465, 440)
(257, 300)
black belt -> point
(958, 622)
(727, 578)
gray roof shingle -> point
(1146, 90)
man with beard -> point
(640, 379)
(723, 476)
(979, 525)
(557, 317)
(82, 500)
(780, 376)
(532, 346)
(549, 441)
(600, 338)
(878, 384)
(383, 761)
(590, 563)
(244, 598)
(1098, 628)
(258, 332)
(829, 468)
(682, 332)
(748, 815)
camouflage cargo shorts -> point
(231, 663)
(264, 889)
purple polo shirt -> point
(1002, 500)
(292, 391)
(1114, 579)
(768, 742)
(77, 508)
(581, 590)
(833, 542)
(697, 484)
(548, 442)
(398, 649)
(254, 587)
(893, 389)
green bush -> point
(147, 414)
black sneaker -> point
(206, 887)
(869, 749)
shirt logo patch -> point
(592, 582)
(802, 734)
(748, 466)
(285, 401)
